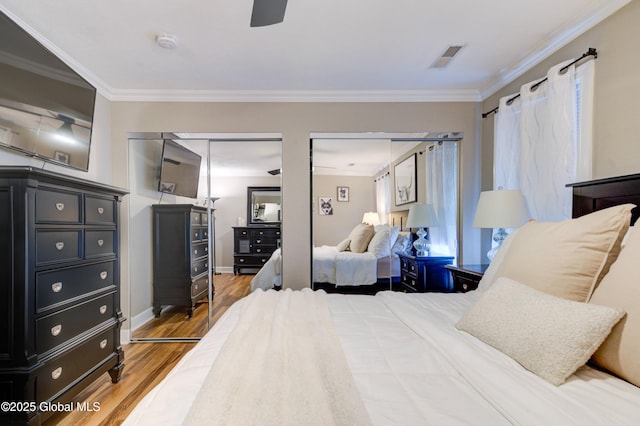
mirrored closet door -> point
(190, 197)
(363, 187)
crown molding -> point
(295, 95)
(551, 45)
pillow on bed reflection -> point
(620, 288)
(549, 336)
(360, 237)
(565, 259)
(384, 238)
(343, 245)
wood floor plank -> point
(146, 364)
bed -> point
(436, 358)
(369, 269)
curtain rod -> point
(590, 52)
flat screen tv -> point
(179, 170)
(46, 108)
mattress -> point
(411, 366)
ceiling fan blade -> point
(267, 12)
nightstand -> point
(425, 274)
(466, 277)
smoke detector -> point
(166, 41)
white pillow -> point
(549, 336)
(343, 245)
(384, 238)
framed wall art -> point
(343, 193)
(405, 181)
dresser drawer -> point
(199, 286)
(465, 283)
(199, 250)
(409, 280)
(57, 246)
(64, 285)
(99, 243)
(263, 249)
(196, 234)
(196, 219)
(58, 206)
(55, 329)
(59, 373)
(199, 267)
(251, 261)
(100, 211)
(266, 233)
(409, 266)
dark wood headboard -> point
(602, 193)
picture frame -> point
(62, 157)
(405, 181)
(343, 193)
(325, 206)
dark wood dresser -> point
(253, 246)
(60, 289)
(180, 255)
(424, 274)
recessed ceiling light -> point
(166, 41)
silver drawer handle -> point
(241, 260)
(206, 265)
(56, 287)
(195, 286)
(195, 268)
(103, 275)
(103, 309)
(60, 245)
(206, 249)
(60, 206)
(258, 241)
(195, 251)
(56, 329)
(100, 210)
(264, 260)
(103, 344)
(55, 374)
(100, 243)
(258, 250)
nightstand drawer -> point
(464, 284)
(409, 280)
(409, 266)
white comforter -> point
(329, 266)
(412, 367)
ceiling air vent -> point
(444, 59)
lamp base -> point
(422, 244)
(498, 237)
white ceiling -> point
(368, 50)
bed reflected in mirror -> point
(363, 186)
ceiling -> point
(329, 50)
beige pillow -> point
(360, 237)
(620, 288)
(549, 336)
(566, 259)
(343, 245)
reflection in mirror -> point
(219, 206)
(384, 175)
(264, 205)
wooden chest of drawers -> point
(59, 287)
(180, 255)
(253, 246)
(425, 274)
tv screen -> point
(179, 170)
(46, 108)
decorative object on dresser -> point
(180, 256)
(466, 277)
(60, 288)
(421, 216)
(425, 274)
(253, 246)
(504, 208)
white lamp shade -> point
(501, 209)
(421, 216)
(371, 218)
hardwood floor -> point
(146, 364)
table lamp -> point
(421, 216)
(371, 218)
(504, 208)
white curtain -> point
(540, 140)
(442, 194)
(383, 204)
